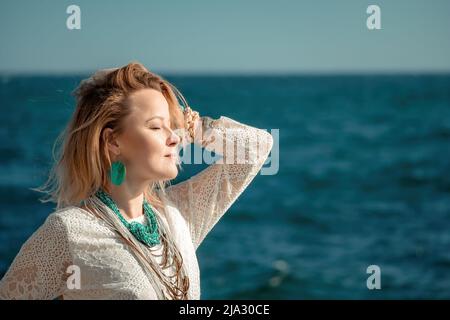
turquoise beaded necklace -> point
(147, 234)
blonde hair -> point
(82, 160)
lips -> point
(170, 155)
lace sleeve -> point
(38, 271)
(205, 197)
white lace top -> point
(108, 268)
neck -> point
(129, 199)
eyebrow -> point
(159, 117)
(156, 117)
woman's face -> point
(148, 146)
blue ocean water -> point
(363, 179)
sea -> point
(357, 208)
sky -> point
(208, 36)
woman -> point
(120, 231)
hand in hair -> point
(191, 122)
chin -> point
(171, 174)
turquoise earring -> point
(117, 173)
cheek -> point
(145, 145)
(150, 149)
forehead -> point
(148, 102)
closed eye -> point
(155, 128)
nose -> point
(174, 139)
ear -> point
(111, 141)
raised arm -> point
(205, 197)
(38, 271)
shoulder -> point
(71, 213)
(67, 216)
(73, 222)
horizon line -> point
(262, 73)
